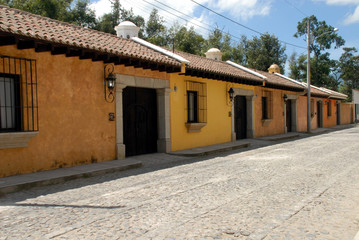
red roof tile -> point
(20, 23)
(276, 80)
(216, 67)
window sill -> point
(16, 139)
(195, 127)
(266, 122)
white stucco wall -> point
(356, 96)
(356, 104)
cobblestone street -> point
(302, 189)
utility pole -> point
(308, 79)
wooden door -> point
(139, 120)
(288, 117)
(338, 114)
(240, 117)
(319, 114)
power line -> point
(187, 20)
(289, 3)
(235, 22)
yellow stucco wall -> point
(73, 116)
(218, 128)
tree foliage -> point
(262, 52)
(56, 9)
(322, 36)
(322, 67)
(349, 69)
(109, 21)
(156, 31)
(82, 15)
(186, 40)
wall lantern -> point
(285, 97)
(109, 82)
(231, 93)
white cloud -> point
(350, 18)
(242, 10)
(239, 10)
(353, 18)
(143, 8)
(341, 2)
(101, 7)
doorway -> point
(319, 114)
(338, 113)
(240, 117)
(139, 120)
(288, 118)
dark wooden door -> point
(319, 114)
(139, 120)
(240, 117)
(338, 114)
(288, 116)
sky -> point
(278, 17)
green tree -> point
(294, 67)
(215, 39)
(82, 15)
(323, 38)
(118, 14)
(186, 40)
(156, 32)
(64, 10)
(55, 9)
(262, 52)
(239, 52)
(222, 41)
(105, 24)
(349, 69)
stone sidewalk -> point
(26, 181)
(301, 189)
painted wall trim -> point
(246, 69)
(16, 139)
(163, 110)
(249, 94)
(159, 49)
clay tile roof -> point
(24, 24)
(275, 80)
(335, 94)
(207, 65)
(316, 92)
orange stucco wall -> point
(346, 113)
(277, 124)
(302, 114)
(329, 121)
(73, 116)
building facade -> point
(72, 96)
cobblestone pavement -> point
(302, 189)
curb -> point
(50, 178)
(278, 138)
(211, 152)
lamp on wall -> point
(285, 97)
(231, 93)
(109, 82)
